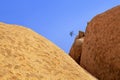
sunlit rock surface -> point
(26, 55)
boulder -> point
(76, 49)
(101, 47)
(26, 55)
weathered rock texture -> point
(25, 55)
(76, 49)
(101, 47)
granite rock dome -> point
(26, 55)
(101, 47)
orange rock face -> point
(101, 47)
(26, 55)
(76, 49)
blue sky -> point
(54, 19)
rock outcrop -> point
(76, 49)
(101, 47)
(25, 55)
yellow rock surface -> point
(25, 55)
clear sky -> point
(54, 19)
